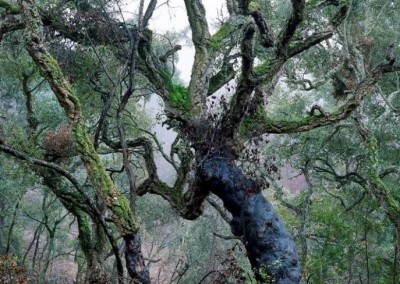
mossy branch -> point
(11, 8)
(117, 203)
(253, 126)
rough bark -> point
(70, 103)
(110, 195)
(201, 71)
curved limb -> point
(271, 251)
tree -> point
(207, 144)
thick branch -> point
(319, 36)
(253, 127)
(148, 152)
(149, 13)
(175, 96)
(169, 53)
(243, 6)
(240, 99)
(266, 35)
(50, 69)
(294, 21)
(232, 7)
(185, 205)
(264, 235)
(108, 33)
(79, 198)
(25, 157)
(169, 159)
(201, 69)
(220, 79)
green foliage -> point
(178, 94)
(260, 69)
(188, 245)
(179, 97)
(216, 41)
(341, 238)
(48, 111)
(312, 3)
(253, 6)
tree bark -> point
(117, 203)
(271, 251)
(134, 260)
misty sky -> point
(173, 17)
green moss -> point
(88, 154)
(260, 121)
(312, 3)
(84, 229)
(98, 176)
(216, 41)
(268, 67)
(178, 94)
(262, 68)
(179, 97)
(113, 199)
(253, 6)
(52, 63)
(262, 272)
(124, 215)
(218, 80)
(54, 69)
(10, 7)
(379, 188)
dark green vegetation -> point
(281, 88)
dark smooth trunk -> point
(271, 251)
(135, 261)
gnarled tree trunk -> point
(271, 251)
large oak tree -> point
(249, 48)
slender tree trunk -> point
(10, 230)
(96, 256)
(2, 245)
(31, 243)
(92, 238)
(117, 203)
(395, 260)
(47, 256)
(37, 242)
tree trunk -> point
(2, 225)
(117, 203)
(134, 260)
(94, 251)
(47, 257)
(271, 251)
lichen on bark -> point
(117, 203)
